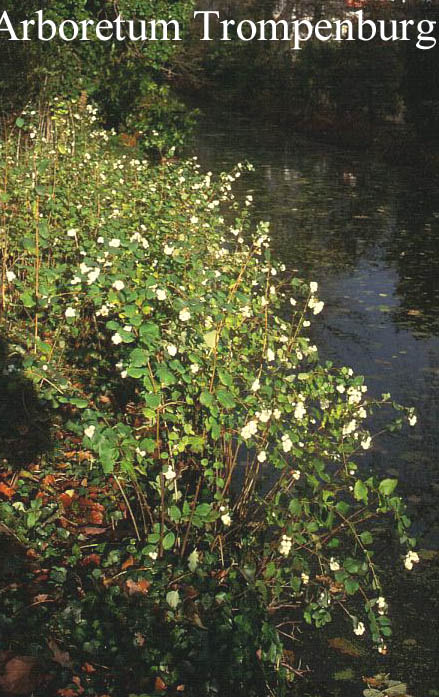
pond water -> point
(368, 231)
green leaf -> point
(360, 491)
(108, 457)
(387, 486)
(136, 372)
(138, 358)
(19, 122)
(165, 376)
(168, 540)
(193, 560)
(210, 338)
(206, 398)
(149, 332)
(270, 570)
(215, 429)
(148, 444)
(225, 378)
(351, 586)
(203, 510)
(173, 599)
(366, 537)
(32, 518)
(295, 507)
(27, 299)
(80, 403)
(175, 514)
(153, 400)
(226, 399)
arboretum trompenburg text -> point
(295, 31)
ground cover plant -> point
(198, 490)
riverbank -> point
(164, 360)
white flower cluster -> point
(250, 429)
(359, 629)
(334, 565)
(349, 427)
(316, 305)
(287, 443)
(381, 605)
(410, 559)
(299, 411)
(226, 518)
(285, 545)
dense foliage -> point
(341, 89)
(203, 489)
(129, 80)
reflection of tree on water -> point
(414, 252)
(323, 213)
(331, 209)
(328, 217)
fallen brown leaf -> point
(159, 685)
(142, 586)
(84, 455)
(91, 559)
(88, 668)
(89, 530)
(6, 490)
(20, 676)
(127, 563)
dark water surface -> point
(368, 232)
